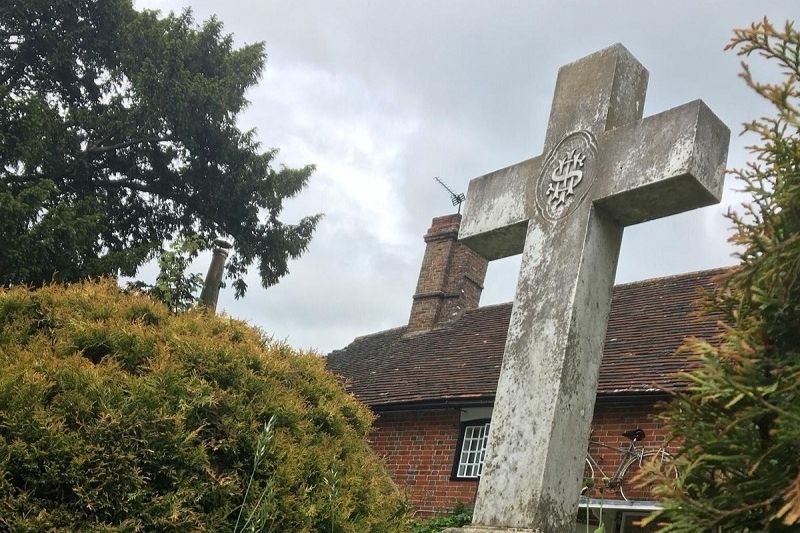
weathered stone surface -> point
(497, 230)
(210, 293)
(602, 168)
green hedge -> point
(116, 415)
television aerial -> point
(457, 199)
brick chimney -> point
(450, 280)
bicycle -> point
(633, 457)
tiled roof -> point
(460, 362)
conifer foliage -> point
(738, 424)
(117, 415)
(119, 131)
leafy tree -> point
(118, 132)
(738, 423)
(174, 287)
(116, 415)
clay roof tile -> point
(461, 361)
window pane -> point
(473, 450)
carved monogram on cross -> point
(568, 166)
(566, 176)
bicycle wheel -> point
(636, 478)
(596, 484)
(588, 478)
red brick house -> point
(432, 382)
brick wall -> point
(450, 278)
(464, 286)
(418, 448)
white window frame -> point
(471, 449)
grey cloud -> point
(346, 283)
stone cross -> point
(603, 167)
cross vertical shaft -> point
(549, 374)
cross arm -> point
(662, 165)
(495, 215)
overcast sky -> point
(383, 96)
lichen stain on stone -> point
(680, 156)
(550, 515)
